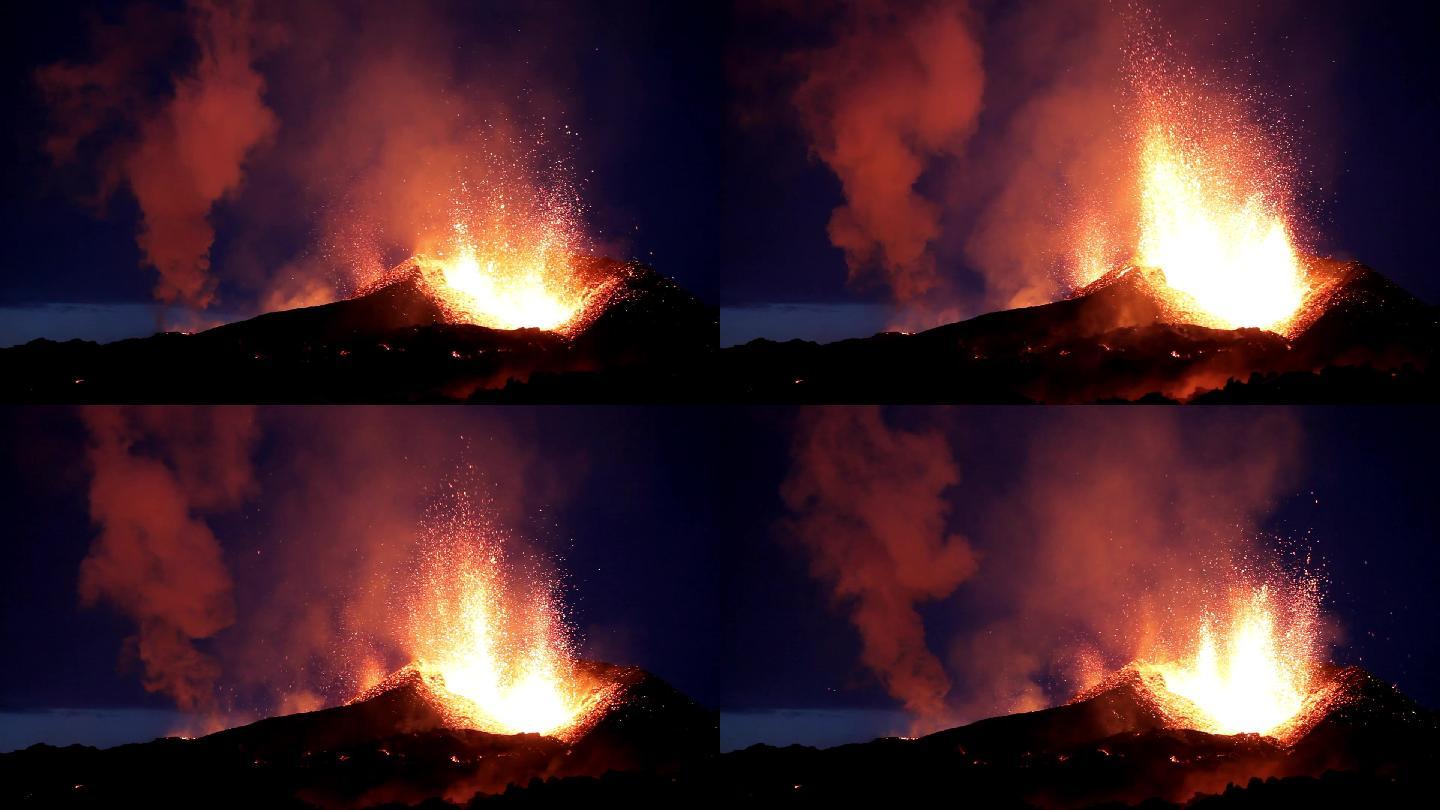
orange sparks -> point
(506, 247)
(1222, 245)
(508, 273)
(1248, 670)
(1209, 210)
(496, 649)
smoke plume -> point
(899, 86)
(1114, 531)
(1077, 557)
(323, 607)
(178, 157)
(868, 505)
(1044, 197)
(155, 475)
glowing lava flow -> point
(1246, 673)
(508, 282)
(1223, 247)
(499, 656)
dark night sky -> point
(631, 522)
(1373, 109)
(1364, 504)
(639, 80)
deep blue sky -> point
(1364, 504)
(1372, 106)
(631, 521)
(642, 84)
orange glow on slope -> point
(1249, 670)
(1223, 246)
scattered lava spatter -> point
(508, 248)
(1215, 203)
(1224, 249)
(510, 263)
(491, 643)
(1249, 666)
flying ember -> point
(496, 649)
(1221, 243)
(1249, 670)
(520, 277)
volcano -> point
(644, 337)
(1360, 337)
(1360, 742)
(397, 744)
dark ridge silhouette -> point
(648, 339)
(393, 746)
(1112, 748)
(1364, 340)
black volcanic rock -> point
(1113, 341)
(652, 340)
(392, 747)
(1111, 748)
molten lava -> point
(1249, 671)
(495, 649)
(509, 282)
(1221, 243)
(1209, 208)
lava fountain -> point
(508, 275)
(493, 648)
(1221, 242)
(506, 247)
(1207, 209)
(1250, 668)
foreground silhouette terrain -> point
(394, 746)
(1112, 749)
(649, 340)
(1114, 341)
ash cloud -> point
(355, 503)
(178, 156)
(868, 506)
(155, 476)
(328, 142)
(1114, 531)
(898, 86)
(309, 599)
(986, 150)
(1047, 185)
(394, 120)
(1106, 536)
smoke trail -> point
(899, 87)
(155, 473)
(185, 153)
(1113, 530)
(867, 503)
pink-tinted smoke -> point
(898, 86)
(867, 504)
(179, 156)
(156, 474)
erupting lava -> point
(1249, 671)
(1222, 245)
(1209, 211)
(509, 250)
(508, 282)
(495, 650)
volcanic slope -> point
(1366, 339)
(648, 339)
(1114, 747)
(397, 745)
